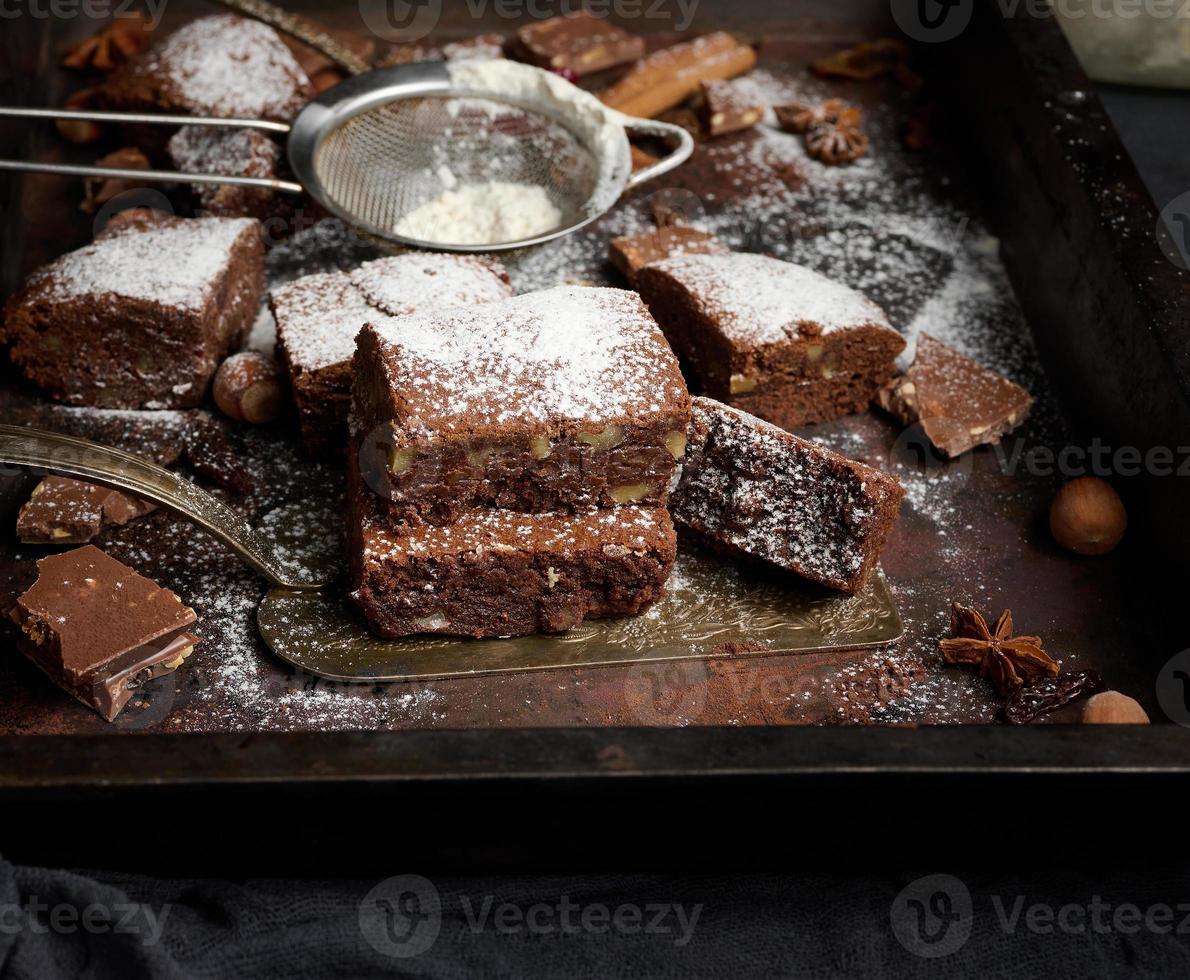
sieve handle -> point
(666, 131)
(148, 176)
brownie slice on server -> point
(563, 399)
(750, 488)
(770, 337)
(141, 317)
(504, 573)
(319, 316)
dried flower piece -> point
(864, 61)
(1007, 661)
(113, 45)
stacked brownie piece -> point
(319, 316)
(511, 463)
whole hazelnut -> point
(248, 388)
(1088, 517)
(1113, 708)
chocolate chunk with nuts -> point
(63, 511)
(959, 403)
(729, 107)
(580, 42)
(99, 630)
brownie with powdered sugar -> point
(773, 338)
(142, 316)
(234, 153)
(749, 488)
(561, 399)
(505, 573)
(222, 65)
(319, 316)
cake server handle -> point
(158, 176)
(81, 459)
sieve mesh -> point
(387, 161)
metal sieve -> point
(379, 145)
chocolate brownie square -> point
(222, 65)
(319, 316)
(632, 253)
(564, 398)
(960, 403)
(63, 511)
(141, 317)
(235, 152)
(749, 488)
(579, 43)
(503, 573)
(99, 630)
(770, 337)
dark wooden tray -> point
(1024, 147)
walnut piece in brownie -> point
(580, 43)
(564, 398)
(234, 152)
(775, 339)
(319, 316)
(960, 403)
(632, 253)
(730, 106)
(141, 317)
(99, 630)
(502, 573)
(749, 488)
(63, 511)
(221, 65)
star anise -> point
(840, 141)
(1007, 661)
(116, 43)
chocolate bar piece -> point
(63, 511)
(960, 403)
(580, 43)
(503, 573)
(99, 630)
(556, 400)
(729, 107)
(749, 488)
(632, 253)
(773, 338)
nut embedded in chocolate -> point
(580, 43)
(64, 511)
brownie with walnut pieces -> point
(319, 316)
(775, 339)
(506, 573)
(632, 253)
(222, 65)
(580, 43)
(99, 630)
(564, 398)
(141, 317)
(749, 488)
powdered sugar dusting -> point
(569, 353)
(228, 66)
(176, 264)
